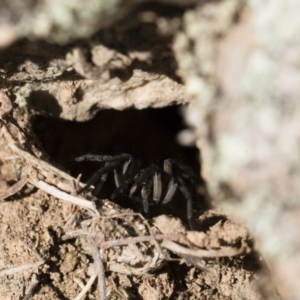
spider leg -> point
(145, 193)
(157, 186)
(127, 172)
(93, 157)
(142, 177)
(103, 158)
(185, 171)
(190, 214)
(101, 183)
(131, 169)
(111, 163)
(118, 176)
(103, 170)
(137, 182)
(89, 157)
(168, 166)
(121, 190)
(133, 189)
(172, 188)
(125, 178)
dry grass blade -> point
(36, 162)
(52, 190)
(31, 289)
(183, 251)
(98, 267)
(138, 239)
(21, 268)
(13, 189)
(86, 288)
(100, 273)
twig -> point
(98, 266)
(100, 273)
(39, 163)
(137, 239)
(79, 282)
(50, 189)
(182, 251)
(120, 268)
(31, 289)
(120, 292)
(20, 268)
(13, 189)
(86, 288)
(125, 241)
(48, 170)
(145, 222)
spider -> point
(144, 185)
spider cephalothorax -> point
(144, 184)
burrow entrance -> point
(149, 135)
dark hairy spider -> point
(144, 185)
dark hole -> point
(149, 135)
(44, 103)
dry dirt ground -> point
(50, 249)
(48, 238)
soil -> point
(52, 242)
(35, 228)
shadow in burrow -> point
(148, 135)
